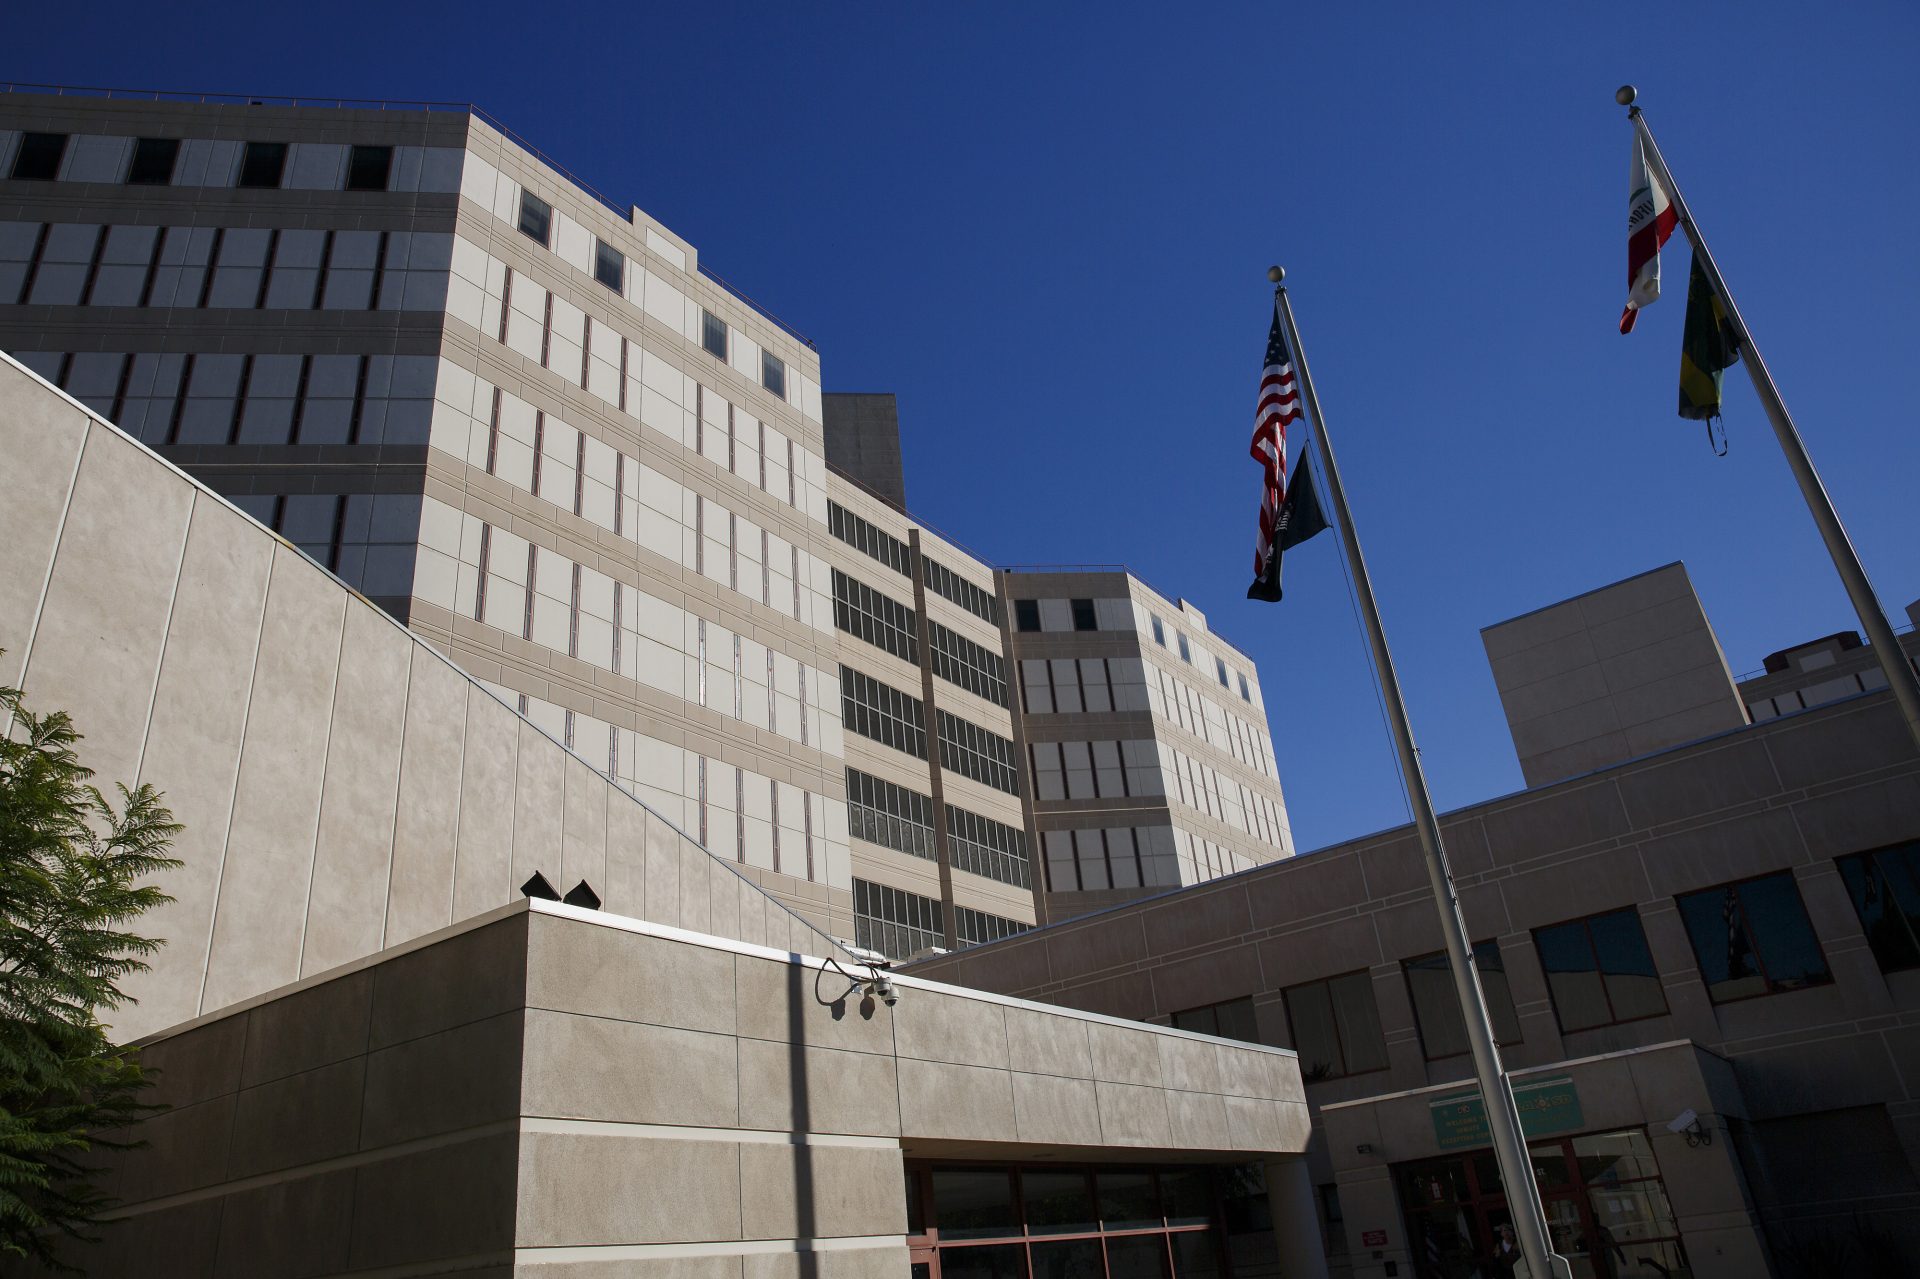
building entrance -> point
(1605, 1202)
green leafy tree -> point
(71, 882)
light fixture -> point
(1687, 1124)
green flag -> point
(1707, 347)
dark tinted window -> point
(153, 160)
(1083, 616)
(1246, 694)
(1599, 970)
(713, 335)
(1159, 632)
(1232, 1019)
(39, 158)
(263, 164)
(536, 217)
(1221, 667)
(1336, 1027)
(1753, 938)
(1026, 615)
(609, 265)
(1186, 654)
(1885, 887)
(1436, 1007)
(367, 168)
(773, 373)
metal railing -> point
(624, 212)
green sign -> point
(1547, 1107)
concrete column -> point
(1296, 1219)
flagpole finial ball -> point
(1276, 274)
(1625, 95)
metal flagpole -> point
(1899, 671)
(1503, 1116)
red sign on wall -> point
(1373, 1238)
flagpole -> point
(1503, 1116)
(1893, 660)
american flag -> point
(1279, 404)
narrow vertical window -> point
(536, 218)
(609, 266)
(773, 374)
(262, 164)
(713, 334)
(368, 168)
(153, 161)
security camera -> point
(1683, 1121)
(882, 985)
(1687, 1124)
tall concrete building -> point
(1699, 938)
(526, 422)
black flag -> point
(1300, 519)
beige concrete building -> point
(1702, 960)
(1146, 738)
(377, 1057)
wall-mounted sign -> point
(1373, 1238)
(1547, 1106)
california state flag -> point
(1650, 220)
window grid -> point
(1436, 1005)
(883, 713)
(894, 922)
(880, 620)
(986, 847)
(1884, 885)
(1565, 948)
(869, 540)
(1335, 1026)
(1752, 938)
(960, 661)
(713, 335)
(975, 753)
(1228, 1019)
(976, 927)
(949, 585)
(892, 816)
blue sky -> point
(1046, 227)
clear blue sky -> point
(1046, 226)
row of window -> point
(976, 927)
(1206, 789)
(895, 922)
(883, 713)
(1026, 615)
(973, 752)
(1095, 770)
(869, 539)
(892, 816)
(262, 164)
(961, 662)
(947, 584)
(1087, 685)
(610, 268)
(986, 847)
(1749, 938)
(1172, 698)
(1117, 857)
(1186, 655)
(880, 620)
(243, 268)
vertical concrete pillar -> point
(1296, 1219)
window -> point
(1159, 631)
(1336, 1028)
(882, 713)
(367, 168)
(874, 542)
(262, 164)
(976, 928)
(1245, 694)
(1220, 666)
(1231, 1019)
(1186, 654)
(892, 816)
(713, 334)
(986, 847)
(948, 584)
(880, 620)
(536, 218)
(973, 752)
(1885, 887)
(773, 373)
(39, 157)
(960, 661)
(609, 266)
(1753, 938)
(1436, 1008)
(1083, 616)
(153, 160)
(897, 924)
(1599, 972)
(1026, 615)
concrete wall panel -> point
(427, 820)
(483, 862)
(40, 436)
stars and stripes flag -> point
(1650, 220)
(1278, 404)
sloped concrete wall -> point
(343, 787)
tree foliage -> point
(72, 872)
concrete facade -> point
(553, 1091)
(1807, 1094)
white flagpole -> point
(1893, 660)
(1496, 1092)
